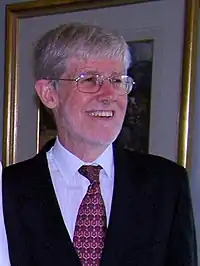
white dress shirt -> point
(70, 188)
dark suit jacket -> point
(151, 222)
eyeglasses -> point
(91, 83)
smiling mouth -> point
(101, 113)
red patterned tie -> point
(90, 228)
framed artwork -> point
(135, 133)
(169, 71)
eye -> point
(90, 79)
(117, 80)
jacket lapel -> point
(122, 209)
(132, 204)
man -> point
(82, 200)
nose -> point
(107, 92)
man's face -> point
(90, 119)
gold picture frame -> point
(16, 137)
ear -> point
(47, 93)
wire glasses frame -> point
(91, 83)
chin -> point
(104, 140)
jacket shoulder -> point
(156, 166)
(151, 159)
(22, 167)
(32, 165)
(25, 174)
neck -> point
(86, 152)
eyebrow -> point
(93, 72)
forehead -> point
(100, 65)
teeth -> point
(101, 113)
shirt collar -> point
(67, 160)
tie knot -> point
(91, 172)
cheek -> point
(122, 103)
(74, 106)
(69, 100)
